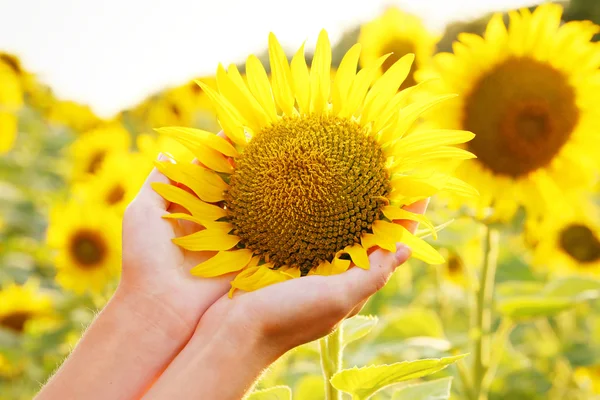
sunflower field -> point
(496, 120)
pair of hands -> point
(192, 340)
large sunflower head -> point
(90, 149)
(315, 171)
(21, 305)
(396, 33)
(569, 244)
(87, 240)
(529, 92)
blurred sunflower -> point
(315, 172)
(21, 305)
(11, 99)
(110, 186)
(398, 33)
(529, 93)
(88, 240)
(91, 149)
(588, 377)
(78, 117)
(568, 244)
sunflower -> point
(78, 117)
(110, 187)
(21, 305)
(568, 244)
(398, 33)
(91, 148)
(11, 99)
(315, 172)
(87, 238)
(530, 95)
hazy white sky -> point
(110, 54)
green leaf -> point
(274, 393)
(438, 389)
(414, 322)
(574, 287)
(357, 328)
(525, 307)
(363, 382)
(311, 387)
(518, 288)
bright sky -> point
(110, 54)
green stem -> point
(483, 315)
(500, 343)
(331, 361)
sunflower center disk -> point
(522, 113)
(305, 188)
(579, 242)
(116, 194)
(15, 321)
(88, 249)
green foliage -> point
(433, 390)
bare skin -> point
(167, 334)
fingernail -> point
(403, 253)
(161, 157)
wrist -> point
(145, 310)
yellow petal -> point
(257, 277)
(197, 207)
(205, 183)
(203, 222)
(229, 118)
(193, 136)
(358, 255)
(359, 88)
(281, 76)
(259, 84)
(8, 131)
(326, 268)
(386, 87)
(320, 76)
(223, 263)
(301, 80)
(460, 187)
(422, 141)
(388, 232)
(368, 240)
(397, 213)
(208, 240)
(443, 152)
(344, 77)
(240, 97)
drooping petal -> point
(257, 277)
(388, 233)
(191, 135)
(223, 263)
(197, 207)
(203, 222)
(211, 239)
(398, 213)
(207, 185)
(358, 255)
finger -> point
(418, 207)
(356, 285)
(146, 194)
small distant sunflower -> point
(21, 305)
(530, 95)
(87, 238)
(398, 33)
(111, 187)
(316, 171)
(11, 100)
(568, 245)
(78, 117)
(588, 377)
(91, 149)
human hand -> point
(245, 334)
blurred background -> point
(83, 85)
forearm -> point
(128, 345)
(222, 368)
